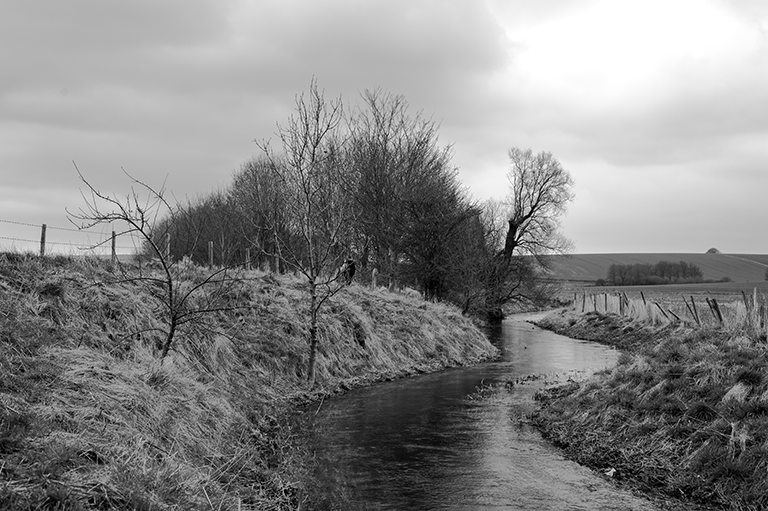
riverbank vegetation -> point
(92, 417)
(684, 414)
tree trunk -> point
(495, 315)
(169, 337)
(312, 333)
(510, 243)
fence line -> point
(749, 311)
(43, 242)
(165, 247)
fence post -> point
(691, 310)
(167, 246)
(114, 251)
(695, 311)
(715, 310)
(210, 254)
(248, 259)
(42, 241)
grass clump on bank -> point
(92, 418)
(684, 413)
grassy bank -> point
(684, 414)
(91, 418)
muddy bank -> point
(91, 417)
(683, 416)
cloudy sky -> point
(657, 108)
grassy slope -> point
(685, 412)
(590, 267)
(90, 418)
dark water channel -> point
(431, 443)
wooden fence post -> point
(42, 241)
(248, 259)
(717, 309)
(114, 249)
(662, 310)
(695, 312)
(210, 254)
(713, 307)
(692, 311)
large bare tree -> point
(540, 191)
(404, 181)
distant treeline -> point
(663, 272)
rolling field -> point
(588, 268)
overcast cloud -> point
(658, 108)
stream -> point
(432, 442)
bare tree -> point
(540, 191)
(258, 195)
(183, 300)
(401, 172)
(318, 210)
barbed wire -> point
(65, 243)
(80, 246)
(68, 229)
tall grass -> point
(684, 413)
(91, 418)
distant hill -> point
(591, 267)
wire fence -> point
(739, 311)
(17, 236)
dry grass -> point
(91, 419)
(682, 414)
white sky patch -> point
(612, 52)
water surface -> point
(432, 443)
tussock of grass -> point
(90, 418)
(683, 413)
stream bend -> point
(431, 442)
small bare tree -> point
(183, 300)
(317, 208)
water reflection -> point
(421, 443)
